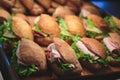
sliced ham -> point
(85, 13)
(53, 52)
(111, 44)
(83, 48)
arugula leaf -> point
(91, 27)
(76, 38)
(21, 70)
(6, 31)
(37, 29)
(92, 31)
(112, 25)
(117, 59)
(65, 67)
(64, 33)
(96, 35)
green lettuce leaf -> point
(92, 31)
(96, 35)
(117, 59)
(63, 66)
(6, 32)
(91, 27)
(37, 29)
(21, 70)
(88, 57)
(64, 33)
(112, 25)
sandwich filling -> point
(54, 57)
(83, 52)
(113, 47)
(38, 33)
(80, 45)
(64, 33)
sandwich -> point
(91, 53)
(4, 15)
(113, 23)
(95, 26)
(7, 3)
(61, 11)
(45, 29)
(28, 58)
(87, 9)
(70, 26)
(63, 60)
(112, 43)
(21, 28)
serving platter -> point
(106, 73)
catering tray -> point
(109, 73)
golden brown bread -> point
(43, 41)
(61, 1)
(117, 21)
(30, 53)
(37, 9)
(7, 3)
(18, 8)
(67, 53)
(21, 28)
(28, 3)
(92, 9)
(21, 16)
(74, 25)
(31, 20)
(99, 22)
(72, 7)
(54, 4)
(4, 15)
(62, 11)
(95, 46)
(45, 3)
(49, 26)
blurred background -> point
(110, 6)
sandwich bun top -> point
(67, 53)
(95, 46)
(29, 53)
(49, 26)
(21, 28)
(74, 25)
(99, 22)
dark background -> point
(110, 6)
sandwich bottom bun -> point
(69, 75)
(93, 67)
(43, 41)
(60, 53)
(113, 62)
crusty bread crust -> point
(21, 28)
(49, 26)
(99, 22)
(95, 46)
(67, 53)
(74, 25)
(30, 53)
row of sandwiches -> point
(64, 42)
